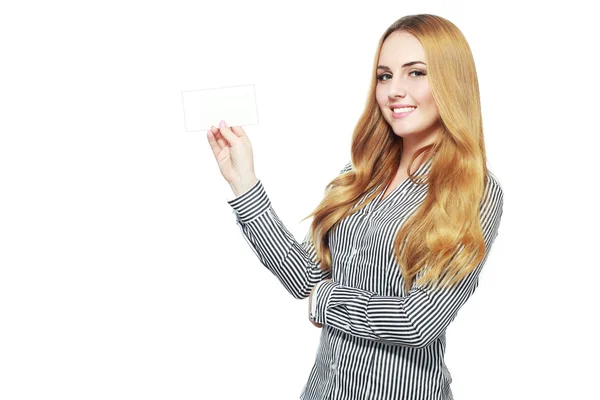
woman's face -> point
(400, 83)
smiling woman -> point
(393, 252)
(404, 95)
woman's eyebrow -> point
(408, 64)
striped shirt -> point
(378, 342)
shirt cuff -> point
(320, 300)
(251, 203)
(313, 301)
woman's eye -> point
(380, 77)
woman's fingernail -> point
(222, 124)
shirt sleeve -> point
(293, 263)
(420, 317)
(313, 305)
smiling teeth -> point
(404, 109)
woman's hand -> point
(310, 308)
(233, 151)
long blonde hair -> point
(427, 242)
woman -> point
(392, 253)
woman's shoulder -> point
(493, 195)
(493, 183)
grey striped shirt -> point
(378, 342)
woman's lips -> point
(402, 114)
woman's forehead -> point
(400, 48)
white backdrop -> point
(122, 272)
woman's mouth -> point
(402, 112)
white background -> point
(123, 274)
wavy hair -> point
(425, 246)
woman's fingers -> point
(214, 145)
(228, 135)
(317, 324)
(217, 135)
(217, 143)
(238, 130)
(222, 142)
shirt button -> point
(347, 326)
(354, 251)
(333, 366)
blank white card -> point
(205, 108)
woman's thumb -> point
(238, 130)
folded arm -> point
(416, 319)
